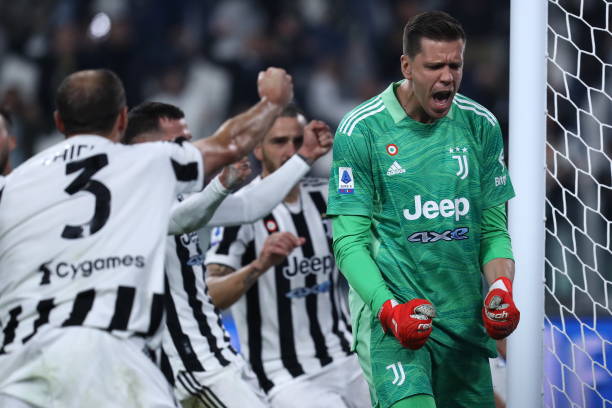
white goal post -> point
(560, 142)
(527, 130)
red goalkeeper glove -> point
(499, 312)
(409, 322)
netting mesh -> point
(578, 317)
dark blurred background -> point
(204, 55)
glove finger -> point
(494, 302)
(426, 311)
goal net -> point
(578, 265)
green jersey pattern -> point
(425, 187)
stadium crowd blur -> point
(204, 55)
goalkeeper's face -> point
(435, 75)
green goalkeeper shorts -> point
(455, 378)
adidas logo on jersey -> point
(395, 169)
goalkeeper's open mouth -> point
(441, 100)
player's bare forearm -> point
(238, 135)
(226, 285)
(497, 268)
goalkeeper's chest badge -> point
(460, 154)
(392, 149)
(346, 183)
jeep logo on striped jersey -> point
(314, 265)
(446, 208)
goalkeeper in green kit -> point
(417, 197)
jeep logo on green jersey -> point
(431, 209)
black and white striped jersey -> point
(194, 339)
(292, 321)
(82, 235)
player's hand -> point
(318, 140)
(499, 313)
(275, 85)
(409, 322)
(276, 248)
(234, 174)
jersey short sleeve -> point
(229, 246)
(495, 180)
(351, 186)
(188, 166)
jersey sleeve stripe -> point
(185, 172)
(365, 115)
(81, 307)
(123, 308)
(344, 125)
(473, 109)
(480, 108)
(44, 309)
(11, 327)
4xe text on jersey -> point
(457, 207)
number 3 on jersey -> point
(84, 182)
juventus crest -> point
(460, 154)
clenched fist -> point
(275, 85)
(318, 140)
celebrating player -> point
(201, 363)
(82, 232)
(280, 277)
(417, 193)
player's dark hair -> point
(435, 25)
(145, 117)
(291, 111)
(7, 115)
(90, 101)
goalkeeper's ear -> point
(406, 66)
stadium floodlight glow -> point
(100, 26)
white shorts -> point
(233, 386)
(339, 385)
(81, 367)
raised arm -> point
(238, 136)
(196, 211)
(248, 206)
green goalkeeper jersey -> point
(424, 186)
